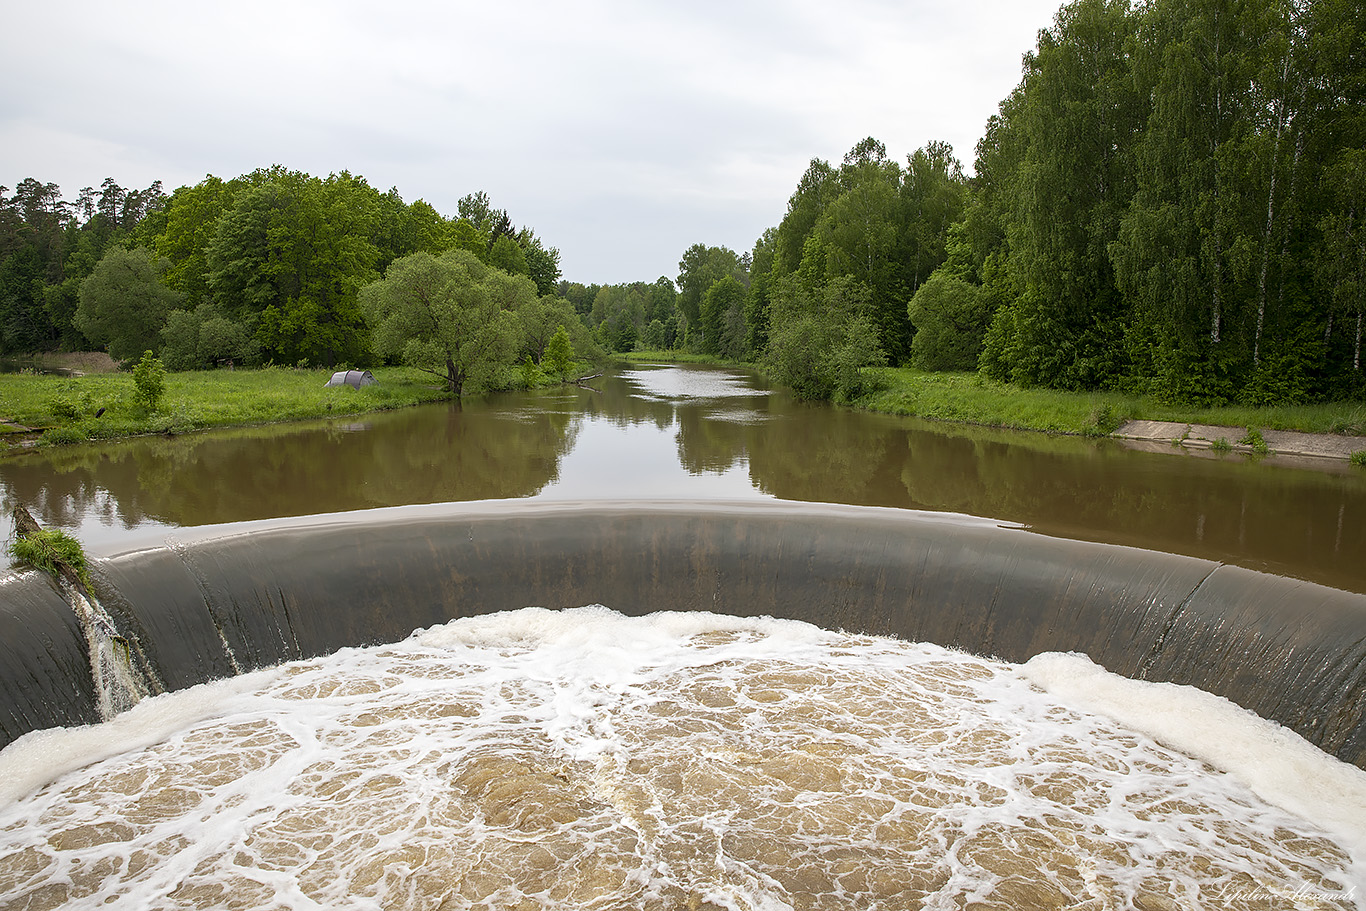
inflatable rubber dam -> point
(205, 603)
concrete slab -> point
(1204, 436)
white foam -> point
(1277, 764)
(41, 757)
(754, 763)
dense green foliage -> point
(1171, 203)
(149, 379)
(823, 338)
(452, 315)
(123, 302)
(264, 268)
(1170, 197)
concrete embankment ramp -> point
(1166, 436)
(207, 603)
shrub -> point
(150, 378)
(1254, 439)
(950, 318)
(559, 354)
(530, 373)
(1104, 421)
(64, 436)
(65, 406)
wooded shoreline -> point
(57, 410)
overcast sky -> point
(621, 132)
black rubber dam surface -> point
(205, 603)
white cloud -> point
(621, 131)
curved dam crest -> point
(210, 602)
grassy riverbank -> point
(970, 398)
(974, 399)
(60, 409)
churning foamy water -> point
(585, 760)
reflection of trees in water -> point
(473, 454)
(1231, 509)
(819, 453)
(707, 445)
(417, 455)
(61, 486)
(615, 402)
(1307, 523)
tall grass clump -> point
(47, 550)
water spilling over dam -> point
(212, 603)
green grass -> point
(667, 357)
(65, 408)
(47, 549)
(973, 399)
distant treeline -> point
(1171, 202)
(263, 268)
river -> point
(572, 759)
(682, 432)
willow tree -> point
(450, 315)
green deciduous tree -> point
(723, 319)
(1343, 264)
(817, 188)
(293, 252)
(559, 354)
(124, 302)
(542, 262)
(505, 254)
(204, 337)
(541, 321)
(700, 268)
(451, 315)
(820, 343)
(1074, 128)
(190, 224)
(149, 380)
(950, 317)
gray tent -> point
(353, 378)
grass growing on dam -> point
(47, 550)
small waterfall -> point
(118, 668)
(119, 682)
